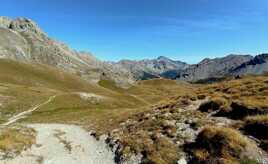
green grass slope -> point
(23, 86)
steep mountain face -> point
(257, 65)
(21, 39)
(213, 68)
(147, 69)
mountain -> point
(154, 68)
(257, 65)
(213, 68)
(21, 39)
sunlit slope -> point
(42, 76)
(23, 86)
(106, 112)
(77, 101)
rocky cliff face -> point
(21, 39)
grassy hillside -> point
(216, 130)
(112, 109)
(160, 119)
(24, 86)
(34, 75)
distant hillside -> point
(213, 68)
(231, 65)
(154, 68)
(257, 65)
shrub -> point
(218, 144)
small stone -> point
(182, 161)
(169, 123)
(182, 126)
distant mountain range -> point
(154, 68)
(21, 39)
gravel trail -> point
(64, 144)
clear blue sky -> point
(187, 30)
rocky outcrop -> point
(5, 22)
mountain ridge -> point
(23, 40)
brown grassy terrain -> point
(172, 122)
(221, 145)
(14, 140)
(257, 126)
(113, 109)
(24, 86)
(154, 118)
(249, 94)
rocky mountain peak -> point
(25, 24)
(163, 58)
(21, 39)
(5, 22)
(21, 25)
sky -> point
(186, 30)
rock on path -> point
(64, 144)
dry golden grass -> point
(31, 85)
(16, 139)
(159, 150)
(261, 119)
(218, 144)
(250, 92)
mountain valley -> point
(151, 111)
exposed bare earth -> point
(68, 144)
(60, 143)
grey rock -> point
(213, 68)
(182, 161)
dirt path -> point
(25, 113)
(64, 144)
(140, 99)
(60, 143)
